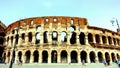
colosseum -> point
(60, 39)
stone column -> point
(86, 39)
(112, 42)
(49, 57)
(58, 58)
(23, 58)
(101, 40)
(69, 59)
(33, 39)
(31, 57)
(88, 58)
(77, 38)
(6, 56)
(26, 39)
(14, 41)
(50, 37)
(107, 42)
(94, 39)
(41, 37)
(16, 57)
(68, 38)
(79, 60)
(19, 40)
(59, 37)
(9, 42)
(96, 57)
(40, 57)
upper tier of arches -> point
(46, 20)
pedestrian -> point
(83, 62)
(118, 62)
(108, 62)
(104, 62)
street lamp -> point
(13, 58)
(115, 20)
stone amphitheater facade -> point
(60, 39)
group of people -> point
(107, 62)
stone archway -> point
(100, 57)
(107, 57)
(44, 57)
(27, 54)
(92, 57)
(83, 56)
(20, 56)
(36, 56)
(54, 56)
(74, 57)
(63, 56)
(113, 57)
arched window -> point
(114, 40)
(90, 38)
(109, 40)
(104, 40)
(72, 28)
(54, 36)
(30, 36)
(82, 38)
(31, 22)
(73, 38)
(37, 38)
(97, 37)
(23, 36)
(38, 28)
(45, 37)
(64, 37)
(72, 21)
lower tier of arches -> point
(62, 55)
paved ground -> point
(35, 65)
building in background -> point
(60, 39)
(2, 40)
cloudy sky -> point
(98, 12)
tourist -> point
(104, 62)
(118, 62)
(83, 62)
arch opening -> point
(44, 57)
(27, 54)
(45, 37)
(73, 38)
(74, 57)
(100, 57)
(83, 56)
(54, 56)
(92, 57)
(64, 56)
(82, 38)
(36, 56)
